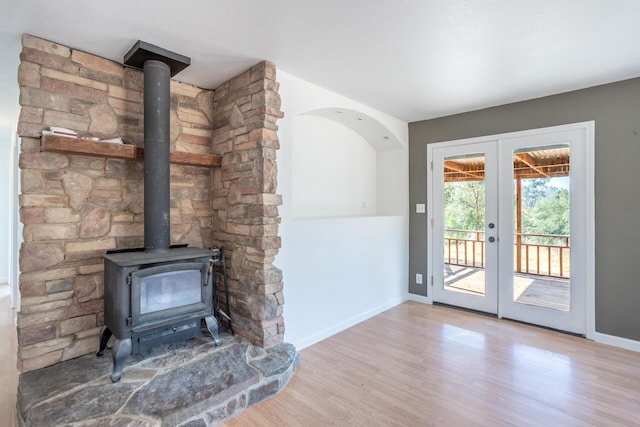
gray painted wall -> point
(616, 110)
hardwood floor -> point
(8, 371)
(421, 365)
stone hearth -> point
(190, 384)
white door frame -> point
(589, 202)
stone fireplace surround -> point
(75, 207)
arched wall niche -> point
(345, 164)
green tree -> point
(551, 214)
(464, 205)
(545, 210)
(535, 189)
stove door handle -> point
(209, 271)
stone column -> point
(245, 201)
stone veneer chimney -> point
(76, 207)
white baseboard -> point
(326, 333)
(419, 298)
(617, 341)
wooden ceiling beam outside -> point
(524, 167)
(474, 174)
(529, 161)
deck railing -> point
(538, 254)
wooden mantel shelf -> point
(88, 147)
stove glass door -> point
(167, 291)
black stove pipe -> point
(158, 65)
(157, 80)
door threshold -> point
(495, 316)
(468, 310)
(573, 334)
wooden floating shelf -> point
(88, 147)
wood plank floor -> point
(8, 371)
(422, 365)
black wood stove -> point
(156, 298)
(159, 294)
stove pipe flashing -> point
(158, 65)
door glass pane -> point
(464, 213)
(541, 227)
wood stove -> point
(159, 294)
(156, 298)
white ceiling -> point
(412, 59)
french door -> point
(511, 225)
(466, 256)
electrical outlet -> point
(418, 279)
(420, 208)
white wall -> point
(6, 193)
(8, 165)
(333, 169)
(339, 270)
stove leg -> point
(105, 334)
(121, 350)
(212, 326)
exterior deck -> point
(541, 291)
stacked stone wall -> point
(74, 208)
(246, 203)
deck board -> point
(529, 289)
